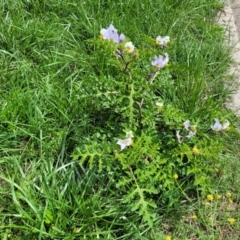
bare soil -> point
(235, 4)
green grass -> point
(46, 68)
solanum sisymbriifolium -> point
(149, 146)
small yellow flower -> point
(231, 220)
(210, 219)
(210, 197)
(175, 176)
(196, 150)
(193, 127)
(228, 194)
(230, 200)
(218, 196)
(217, 126)
(168, 238)
(207, 203)
(194, 217)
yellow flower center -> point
(193, 128)
(128, 49)
(196, 150)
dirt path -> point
(230, 19)
(235, 5)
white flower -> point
(129, 134)
(129, 47)
(186, 124)
(217, 126)
(159, 105)
(178, 136)
(191, 133)
(162, 41)
(124, 143)
(103, 33)
(225, 126)
(166, 59)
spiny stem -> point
(126, 69)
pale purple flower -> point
(186, 124)
(160, 61)
(217, 126)
(122, 37)
(111, 33)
